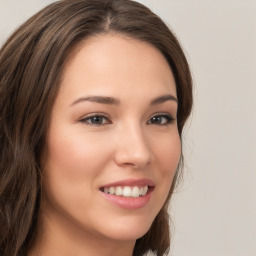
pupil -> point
(97, 120)
(156, 120)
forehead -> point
(113, 63)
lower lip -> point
(129, 203)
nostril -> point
(132, 159)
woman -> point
(94, 97)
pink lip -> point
(130, 203)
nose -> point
(133, 148)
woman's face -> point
(113, 144)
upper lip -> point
(130, 182)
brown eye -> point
(160, 120)
(95, 120)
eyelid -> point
(96, 114)
(163, 114)
(87, 117)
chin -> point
(128, 229)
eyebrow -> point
(115, 101)
(163, 99)
(98, 99)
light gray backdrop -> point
(214, 213)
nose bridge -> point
(133, 146)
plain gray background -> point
(214, 212)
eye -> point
(163, 119)
(95, 120)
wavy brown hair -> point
(31, 66)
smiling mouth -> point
(127, 191)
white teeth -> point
(111, 190)
(127, 191)
(135, 192)
(119, 191)
(145, 190)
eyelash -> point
(168, 119)
(88, 120)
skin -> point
(127, 143)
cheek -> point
(75, 155)
(73, 164)
(168, 154)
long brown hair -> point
(31, 66)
